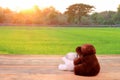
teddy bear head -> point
(86, 49)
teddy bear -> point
(68, 62)
(87, 63)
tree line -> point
(76, 14)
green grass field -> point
(57, 40)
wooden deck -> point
(42, 67)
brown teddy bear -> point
(86, 64)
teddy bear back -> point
(88, 49)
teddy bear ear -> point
(78, 49)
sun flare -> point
(61, 5)
(24, 5)
(20, 5)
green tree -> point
(86, 20)
(1, 15)
(108, 17)
(118, 9)
(117, 16)
(62, 18)
(37, 15)
(76, 11)
(94, 18)
(50, 15)
(105, 17)
(8, 15)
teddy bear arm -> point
(77, 61)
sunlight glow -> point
(61, 5)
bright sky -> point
(61, 5)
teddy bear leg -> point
(67, 61)
(69, 64)
(62, 67)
